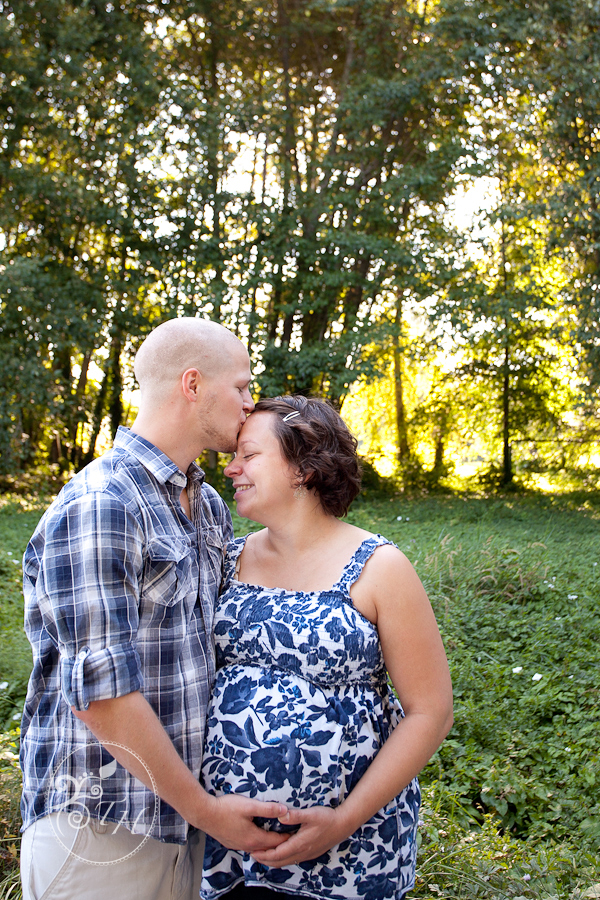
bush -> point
(464, 863)
(10, 819)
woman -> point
(313, 616)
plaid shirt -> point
(120, 589)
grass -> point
(10, 819)
(512, 799)
(18, 518)
(515, 585)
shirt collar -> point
(158, 463)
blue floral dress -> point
(300, 707)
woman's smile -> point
(238, 488)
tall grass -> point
(10, 819)
(512, 799)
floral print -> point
(300, 707)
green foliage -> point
(514, 584)
(79, 92)
(286, 168)
(509, 811)
(567, 57)
(10, 818)
(458, 863)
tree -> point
(511, 328)
(76, 208)
(350, 120)
(365, 136)
(568, 87)
(285, 169)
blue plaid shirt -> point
(120, 590)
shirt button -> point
(82, 654)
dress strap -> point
(352, 570)
(232, 559)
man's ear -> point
(191, 383)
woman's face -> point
(263, 479)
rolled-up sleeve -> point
(88, 585)
(103, 675)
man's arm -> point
(89, 597)
(131, 722)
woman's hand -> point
(321, 828)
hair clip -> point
(290, 416)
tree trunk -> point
(77, 449)
(438, 462)
(215, 147)
(115, 402)
(507, 470)
(97, 419)
(403, 446)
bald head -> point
(194, 378)
(178, 345)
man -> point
(120, 581)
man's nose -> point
(248, 402)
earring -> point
(300, 492)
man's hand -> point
(129, 722)
(321, 828)
(231, 822)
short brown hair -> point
(316, 441)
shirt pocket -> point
(168, 572)
(213, 556)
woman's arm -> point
(390, 593)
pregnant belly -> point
(273, 736)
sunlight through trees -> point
(288, 169)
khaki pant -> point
(99, 861)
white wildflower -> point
(3, 685)
(517, 669)
(537, 677)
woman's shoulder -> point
(365, 547)
(380, 559)
(364, 542)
